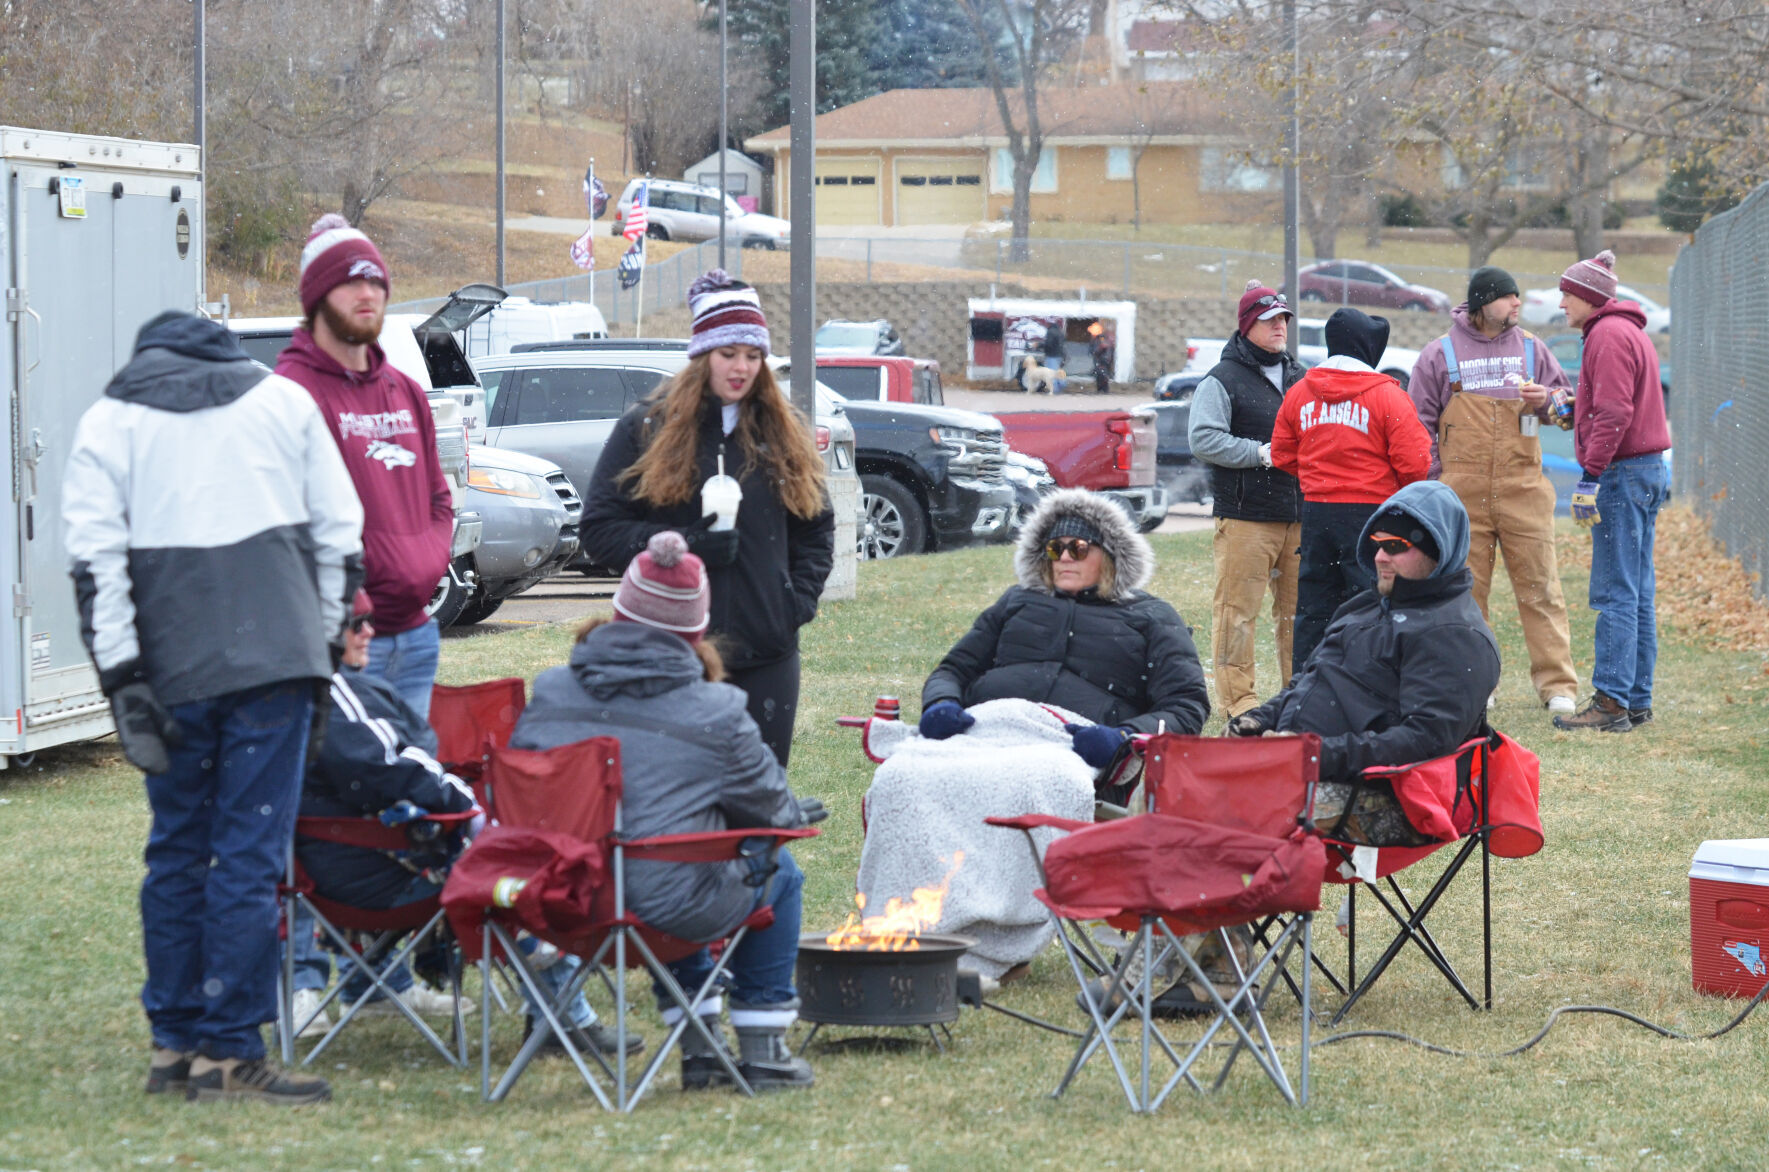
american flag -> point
(638, 213)
(632, 264)
(583, 249)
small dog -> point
(1038, 376)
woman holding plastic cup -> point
(719, 453)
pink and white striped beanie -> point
(665, 587)
(1593, 280)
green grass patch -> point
(1599, 917)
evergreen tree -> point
(761, 31)
(926, 44)
(1692, 192)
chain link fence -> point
(1719, 416)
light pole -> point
(1292, 182)
(500, 102)
(724, 126)
(802, 73)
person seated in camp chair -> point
(1402, 673)
(692, 761)
(376, 761)
(1079, 632)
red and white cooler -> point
(1729, 916)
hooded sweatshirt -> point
(1405, 676)
(1619, 410)
(1492, 367)
(212, 532)
(691, 761)
(1350, 435)
(382, 424)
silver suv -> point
(560, 403)
(688, 211)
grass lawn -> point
(1599, 917)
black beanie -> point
(1075, 525)
(1403, 524)
(1487, 285)
(1356, 334)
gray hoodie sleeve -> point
(1210, 438)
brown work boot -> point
(235, 1078)
(169, 1072)
(1600, 713)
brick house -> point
(940, 156)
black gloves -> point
(812, 810)
(715, 549)
(1097, 744)
(1247, 724)
(944, 718)
(144, 727)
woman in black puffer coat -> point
(1078, 632)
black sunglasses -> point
(1392, 546)
(1271, 299)
(1076, 547)
(359, 621)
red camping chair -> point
(1237, 856)
(1486, 796)
(387, 927)
(559, 838)
(471, 721)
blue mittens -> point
(944, 718)
(1097, 744)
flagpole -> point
(639, 289)
(590, 198)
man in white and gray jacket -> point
(215, 540)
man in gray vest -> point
(1257, 507)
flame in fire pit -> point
(897, 928)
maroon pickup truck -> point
(1110, 452)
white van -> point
(520, 320)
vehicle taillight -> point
(1118, 426)
(1191, 351)
(1121, 458)
(822, 439)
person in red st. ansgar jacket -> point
(381, 420)
(1351, 436)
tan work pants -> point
(1250, 557)
(1496, 470)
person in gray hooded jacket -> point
(1404, 669)
(692, 761)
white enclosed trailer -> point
(97, 235)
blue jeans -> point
(313, 964)
(1629, 495)
(408, 661)
(223, 818)
(552, 979)
(761, 969)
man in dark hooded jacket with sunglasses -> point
(1404, 669)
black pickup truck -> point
(930, 478)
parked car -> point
(518, 320)
(841, 338)
(1541, 307)
(560, 402)
(931, 477)
(1357, 282)
(1182, 476)
(529, 512)
(1311, 350)
(1179, 385)
(688, 211)
(882, 378)
(1030, 480)
(423, 347)
(1110, 452)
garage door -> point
(847, 191)
(939, 191)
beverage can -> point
(888, 708)
(506, 889)
(1528, 424)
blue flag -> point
(632, 264)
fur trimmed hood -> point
(1132, 558)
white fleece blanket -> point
(928, 800)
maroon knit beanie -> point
(1254, 306)
(665, 587)
(1591, 280)
(335, 252)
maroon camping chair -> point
(1483, 796)
(555, 866)
(393, 935)
(471, 721)
(1242, 857)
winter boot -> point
(213, 1079)
(701, 1067)
(169, 1072)
(1600, 713)
(766, 1063)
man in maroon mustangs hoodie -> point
(381, 421)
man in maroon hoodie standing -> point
(381, 421)
(1619, 437)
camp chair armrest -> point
(711, 847)
(1037, 822)
(1397, 770)
(368, 832)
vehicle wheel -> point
(1313, 295)
(1150, 526)
(657, 232)
(1399, 376)
(478, 609)
(891, 520)
(1416, 304)
(452, 594)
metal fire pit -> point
(853, 987)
